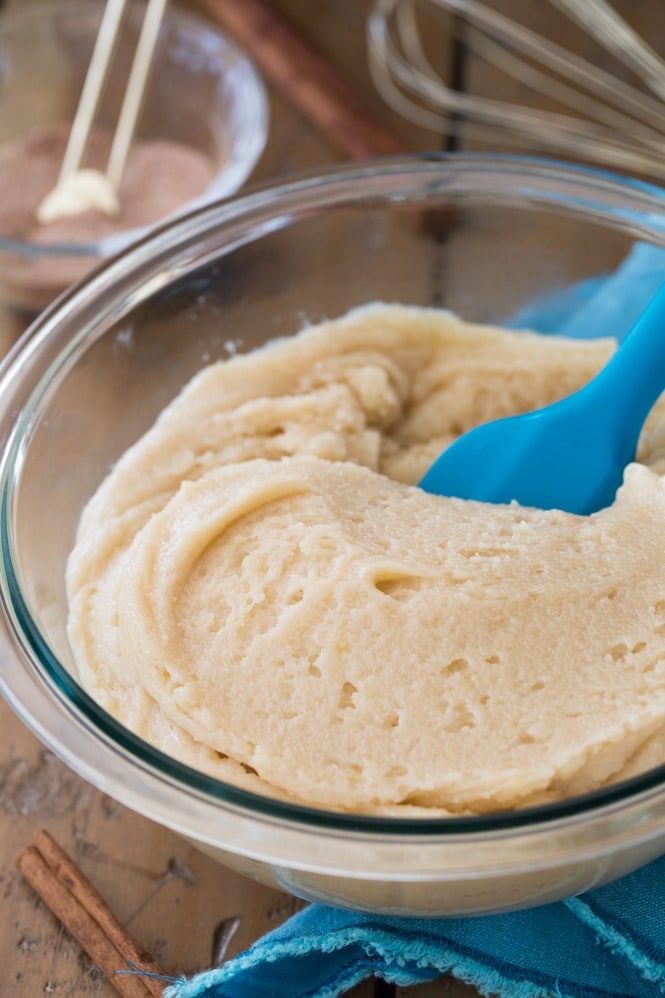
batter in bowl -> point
(260, 589)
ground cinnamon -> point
(84, 913)
(160, 177)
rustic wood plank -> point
(174, 900)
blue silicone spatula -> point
(570, 455)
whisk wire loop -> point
(616, 124)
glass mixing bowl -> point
(483, 236)
(203, 92)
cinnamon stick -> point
(304, 77)
(84, 913)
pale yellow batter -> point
(259, 588)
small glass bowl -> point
(203, 92)
(484, 236)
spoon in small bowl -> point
(570, 455)
(82, 189)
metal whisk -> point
(616, 124)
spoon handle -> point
(107, 37)
(136, 85)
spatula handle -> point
(634, 378)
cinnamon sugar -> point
(160, 176)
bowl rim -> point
(39, 680)
(244, 155)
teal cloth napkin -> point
(608, 943)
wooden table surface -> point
(183, 907)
